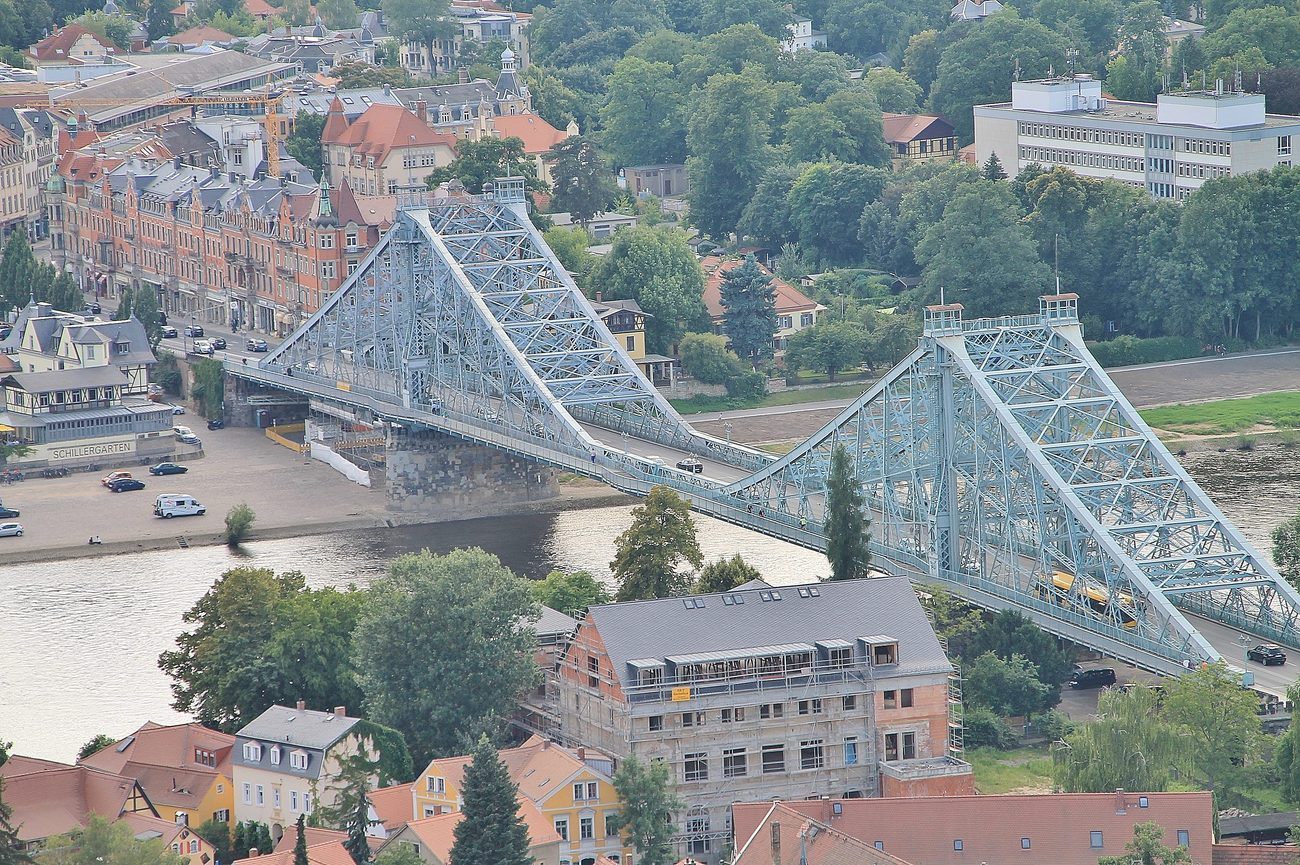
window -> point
(849, 703)
(692, 719)
(891, 699)
(905, 698)
(252, 752)
(583, 791)
(697, 831)
(293, 800)
(1094, 840)
(885, 653)
(879, 845)
(327, 241)
(1184, 838)
(697, 767)
(275, 755)
(327, 269)
(562, 827)
(771, 710)
(811, 755)
(805, 319)
(850, 750)
(631, 343)
(810, 707)
(734, 763)
(1143, 802)
(958, 844)
(275, 796)
(350, 239)
(260, 797)
(298, 759)
(655, 723)
(784, 322)
(306, 802)
(248, 794)
(909, 746)
(436, 785)
(733, 714)
(1024, 843)
(586, 828)
(222, 815)
(593, 672)
(773, 759)
(891, 747)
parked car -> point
(203, 346)
(125, 485)
(1098, 678)
(170, 505)
(169, 332)
(219, 343)
(178, 409)
(193, 330)
(1265, 653)
(168, 469)
(155, 388)
(691, 464)
(92, 309)
(257, 345)
(216, 423)
(11, 530)
(185, 434)
(7, 513)
(115, 476)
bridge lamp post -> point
(726, 427)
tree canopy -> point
(650, 553)
(847, 526)
(749, 302)
(492, 829)
(645, 797)
(656, 268)
(569, 593)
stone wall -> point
(444, 478)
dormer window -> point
(298, 759)
(884, 653)
(275, 755)
(253, 752)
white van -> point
(170, 505)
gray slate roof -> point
(66, 379)
(306, 728)
(843, 610)
(554, 622)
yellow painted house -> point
(577, 799)
(626, 322)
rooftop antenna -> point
(1056, 252)
(1204, 85)
(1236, 80)
(1070, 55)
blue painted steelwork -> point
(998, 459)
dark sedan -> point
(8, 513)
(218, 343)
(257, 345)
(1266, 654)
(125, 485)
(167, 469)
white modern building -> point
(1169, 148)
(800, 36)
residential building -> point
(196, 37)
(800, 36)
(329, 851)
(916, 138)
(464, 110)
(385, 149)
(660, 181)
(12, 169)
(974, 10)
(1176, 31)
(795, 311)
(786, 837)
(538, 135)
(286, 762)
(71, 43)
(1060, 828)
(1169, 148)
(600, 225)
(626, 321)
(183, 768)
(433, 837)
(38, 136)
(799, 691)
(475, 22)
(571, 797)
(50, 799)
(315, 52)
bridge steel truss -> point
(462, 311)
(997, 459)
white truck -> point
(170, 505)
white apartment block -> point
(1169, 148)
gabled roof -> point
(61, 800)
(314, 836)
(330, 852)
(20, 765)
(199, 35)
(66, 379)
(788, 298)
(383, 128)
(162, 759)
(57, 45)
(902, 128)
(539, 767)
(304, 728)
(786, 837)
(377, 210)
(394, 806)
(437, 834)
(844, 610)
(538, 135)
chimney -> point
(546, 743)
(422, 110)
(462, 75)
(253, 852)
(302, 704)
(776, 842)
(600, 295)
(582, 754)
(1121, 806)
(340, 711)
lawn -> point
(700, 404)
(1020, 770)
(778, 448)
(1278, 410)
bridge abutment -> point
(433, 475)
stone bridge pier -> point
(430, 474)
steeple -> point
(326, 209)
(335, 123)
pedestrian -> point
(803, 522)
(593, 459)
(749, 509)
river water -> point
(79, 639)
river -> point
(79, 639)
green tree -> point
(569, 243)
(422, 21)
(1008, 687)
(350, 812)
(209, 390)
(642, 115)
(468, 611)
(766, 218)
(102, 842)
(993, 169)
(724, 575)
(858, 110)
(300, 842)
(847, 527)
(893, 90)
(826, 203)
(304, 143)
(1286, 549)
(768, 15)
(1220, 719)
(16, 268)
(656, 268)
(727, 137)
(706, 358)
(921, 58)
(1148, 848)
(649, 554)
(399, 854)
(815, 133)
(827, 346)
(979, 67)
(338, 14)
(96, 744)
(1006, 634)
(749, 302)
(114, 28)
(569, 593)
(217, 833)
(492, 829)
(1286, 756)
(953, 619)
(158, 20)
(483, 161)
(646, 803)
(581, 181)
(1129, 745)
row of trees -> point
(23, 278)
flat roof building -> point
(1168, 148)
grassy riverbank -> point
(700, 404)
(1264, 413)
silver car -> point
(11, 530)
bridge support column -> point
(434, 475)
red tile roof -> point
(538, 135)
(382, 128)
(200, 34)
(993, 829)
(902, 128)
(62, 799)
(314, 836)
(331, 852)
(394, 806)
(788, 298)
(57, 44)
(436, 834)
(786, 837)
(1255, 854)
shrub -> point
(983, 728)
(239, 522)
(1246, 442)
(705, 356)
(167, 374)
(747, 385)
(1126, 350)
(1053, 725)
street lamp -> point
(727, 429)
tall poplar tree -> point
(300, 844)
(750, 305)
(847, 528)
(646, 797)
(492, 830)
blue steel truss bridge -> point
(997, 460)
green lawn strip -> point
(1280, 410)
(1003, 771)
(701, 404)
(778, 448)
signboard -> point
(84, 448)
(681, 695)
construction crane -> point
(269, 102)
